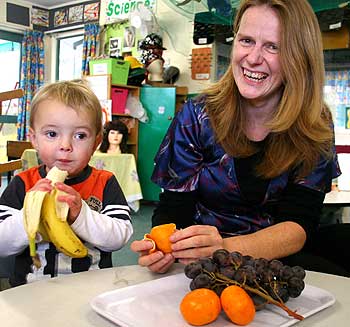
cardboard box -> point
(119, 97)
(337, 39)
(119, 69)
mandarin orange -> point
(238, 305)
(200, 306)
(159, 235)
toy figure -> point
(115, 137)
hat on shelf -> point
(134, 63)
(152, 41)
(148, 56)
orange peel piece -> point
(159, 236)
(147, 237)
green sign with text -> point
(121, 9)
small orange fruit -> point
(238, 305)
(200, 306)
(159, 235)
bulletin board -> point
(201, 63)
(100, 85)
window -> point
(10, 64)
(10, 56)
(70, 52)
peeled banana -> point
(44, 214)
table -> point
(338, 198)
(64, 301)
(122, 165)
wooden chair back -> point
(16, 148)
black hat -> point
(152, 41)
(171, 75)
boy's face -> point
(62, 137)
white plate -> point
(156, 304)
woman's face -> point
(255, 58)
(115, 137)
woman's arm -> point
(276, 241)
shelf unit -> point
(101, 85)
(131, 122)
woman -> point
(246, 166)
(115, 138)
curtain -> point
(32, 77)
(90, 45)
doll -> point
(115, 137)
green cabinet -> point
(159, 103)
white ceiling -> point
(53, 3)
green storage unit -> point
(159, 102)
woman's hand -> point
(194, 242)
(157, 262)
(72, 198)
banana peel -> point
(43, 214)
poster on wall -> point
(201, 62)
(91, 11)
(129, 38)
(60, 17)
(40, 17)
(75, 14)
(115, 46)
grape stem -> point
(268, 298)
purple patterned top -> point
(189, 159)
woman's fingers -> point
(157, 261)
(196, 237)
(162, 265)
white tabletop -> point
(64, 301)
(340, 198)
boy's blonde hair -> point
(75, 94)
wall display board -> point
(201, 62)
(100, 85)
(65, 16)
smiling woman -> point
(245, 166)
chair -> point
(7, 265)
(14, 150)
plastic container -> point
(119, 69)
(119, 97)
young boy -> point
(65, 129)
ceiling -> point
(52, 3)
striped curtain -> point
(90, 45)
(32, 77)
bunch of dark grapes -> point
(265, 281)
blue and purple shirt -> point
(189, 159)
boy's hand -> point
(72, 198)
(43, 184)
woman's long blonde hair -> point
(301, 128)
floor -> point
(141, 221)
